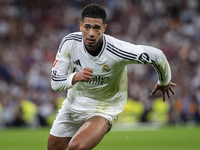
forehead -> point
(93, 21)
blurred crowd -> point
(30, 33)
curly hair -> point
(94, 11)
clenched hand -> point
(84, 75)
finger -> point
(87, 73)
(172, 91)
(153, 92)
(163, 96)
(88, 69)
(172, 84)
(87, 76)
(168, 94)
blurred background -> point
(30, 33)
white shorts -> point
(68, 122)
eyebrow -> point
(97, 26)
(93, 26)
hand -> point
(84, 75)
(164, 89)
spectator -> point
(30, 33)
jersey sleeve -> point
(155, 57)
(61, 78)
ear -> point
(104, 29)
(80, 25)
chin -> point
(90, 45)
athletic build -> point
(92, 67)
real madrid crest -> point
(105, 68)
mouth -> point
(90, 41)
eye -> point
(87, 27)
(97, 27)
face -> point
(92, 29)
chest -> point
(102, 64)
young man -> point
(92, 67)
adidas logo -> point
(77, 62)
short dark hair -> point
(94, 11)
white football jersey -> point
(106, 91)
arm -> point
(161, 65)
(61, 76)
(62, 82)
(60, 79)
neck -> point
(96, 51)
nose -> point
(91, 33)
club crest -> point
(105, 68)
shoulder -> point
(117, 43)
(110, 39)
(75, 36)
(70, 40)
